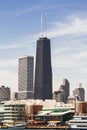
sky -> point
(66, 26)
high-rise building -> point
(80, 92)
(43, 70)
(59, 95)
(5, 93)
(25, 78)
(66, 88)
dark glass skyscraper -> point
(43, 70)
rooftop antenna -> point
(43, 25)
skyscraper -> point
(25, 78)
(59, 95)
(66, 88)
(43, 70)
(80, 92)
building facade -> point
(43, 70)
(80, 92)
(71, 99)
(66, 88)
(25, 77)
(59, 95)
(81, 107)
(24, 110)
(5, 93)
(15, 96)
(14, 111)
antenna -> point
(43, 25)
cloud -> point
(73, 26)
(70, 57)
(9, 74)
(24, 42)
(69, 52)
(8, 63)
(10, 46)
(8, 78)
(27, 10)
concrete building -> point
(23, 110)
(81, 108)
(66, 87)
(59, 111)
(25, 78)
(15, 96)
(1, 111)
(43, 70)
(80, 92)
(4, 93)
(71, 99)
(14, 111)
(59, 95)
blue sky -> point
(20, 27)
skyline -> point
(20, 28)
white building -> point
(25, 78)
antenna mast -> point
(43, 25)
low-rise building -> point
(81, 108)
(1, 111)
(56, 113)
(14, 111)
(24, 110)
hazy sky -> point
(20, 27)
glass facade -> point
(43, 70)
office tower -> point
(80, 92)
(4, 93)
(25, 78)
(66, 88)
(59, 95)
(43, 70)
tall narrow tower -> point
(43, 70)
(66, 87)
(25, 78)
